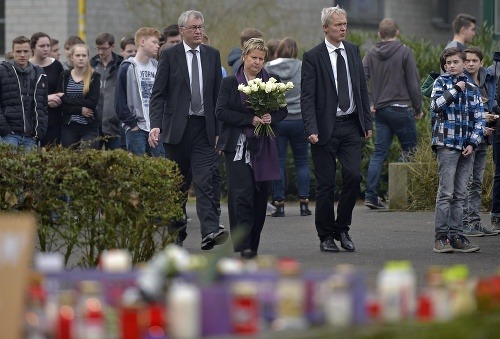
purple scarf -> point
(264, 160)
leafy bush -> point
(89, 200)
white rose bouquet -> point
(264, 97)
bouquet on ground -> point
(264, 97)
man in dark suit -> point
(183, 109)
(336, 114)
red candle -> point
(66, 316)
(130, 323)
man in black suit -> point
(183, 109)
(336, 114)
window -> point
(2, 27)
(363, 11)
(491, 14)
(496, 18)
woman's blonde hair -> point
(87, 75)
(254, 43)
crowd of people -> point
(166, 94)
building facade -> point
(428, 19)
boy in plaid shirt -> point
(458, 120)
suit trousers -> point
(194, 155)
(345, 145)
(247, 204)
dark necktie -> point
(342, 85)
(195, 84)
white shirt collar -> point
(332, 48)
(187, 48)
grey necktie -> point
(195, 84)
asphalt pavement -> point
(379, 236)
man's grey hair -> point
(183, 18)
(326, 14)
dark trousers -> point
(194, 155)
(345, 145)
(52, 137)
(247, 202)
(495, 199)
(76, 135)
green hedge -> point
(87, 200)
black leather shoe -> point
(178, 241)
(248, 254)
(328, 246)
(345, 241)
(210, 240)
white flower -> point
(257, 80)
(251, 82)
(262, 85)
(289, 85)
(255, 87)
(241, 87)
(272, 80)
(269, 87)
(247, 90)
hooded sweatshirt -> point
(234, 59)
(288, 70)
(391, 70)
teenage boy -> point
(23, 98)
(136, 77)
(486, 82)
(464, 29)
(127, 47)
(106, 63)
(457, 119)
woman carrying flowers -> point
(250, 103)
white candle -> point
(115, 261)
(183, 302)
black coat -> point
(171, 94)
(230, 112)
(14, 117)
(73, 106)
(318, 98)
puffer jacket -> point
(15, 118)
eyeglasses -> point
(195, 28)
(103, 49)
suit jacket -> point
(230, 112)
(319, 100)
(171, 94)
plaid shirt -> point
(457, 117)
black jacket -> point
(106, 112)
(318, 99)
(229, 111)
(14, 116)
(72, 106)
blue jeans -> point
(112, 142)
(137, 143)
(389, 120)
(454, 173)
(292, 131)
(17, 140)
(472, 204)
(495, 199)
